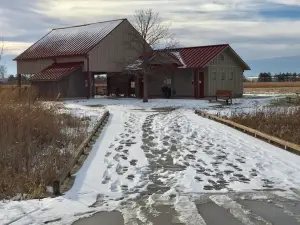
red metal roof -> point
(199, 57)
(56, 71)
(70, 41)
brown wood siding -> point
(69, 87)
(225, 78)
(73, 59)
(229, 59)
(156, 82)
(183, 82)
(73, 85)
(225, 72)
(33, 66)
(116, 50)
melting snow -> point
(176, 151)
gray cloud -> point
(194, 22)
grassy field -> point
(36, 142)
(271, 87)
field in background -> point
(36, 142)
(271, 87)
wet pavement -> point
(228, 209)
(215, 162)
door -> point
(198, 84)
(141, 84)
(201, 84)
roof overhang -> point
(56, 72)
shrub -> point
(35, 143)
(283, 123)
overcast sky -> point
(254, 28)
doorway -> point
(198, 84)
(141, 87)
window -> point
(222, 57)
(168, 81)
(132, 84)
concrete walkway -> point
(230, 209)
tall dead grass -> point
(35, 143)
(283, 123)
(270, 84)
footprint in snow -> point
(114, 186)
(107, 154)
(133, 162)
(106, 177)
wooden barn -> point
(199, 72)
(66, 60)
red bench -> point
(224, 94)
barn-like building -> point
(65, 61)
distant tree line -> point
(14, 79)
(279, 77)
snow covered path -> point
(147, 157)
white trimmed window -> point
(132, 84)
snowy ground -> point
(151, 149)
(94, 114)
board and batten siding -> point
(183, 82)
(224, 73)
(73, 59)
(35, 66)
(116, 50)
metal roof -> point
(56, 71)
(200, 56)
(157, 59)
(70, 41)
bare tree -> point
(2, 67)
(157, 35)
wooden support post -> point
(19, 77)
(56, 188)
(19, 80)
(89, 84)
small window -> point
(231, 76)
(132, 84)
(222, 57)
(168, 81)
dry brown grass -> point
(271, 87)
(270, 84)
(283, 123)
(279, 90)
(35, 143)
